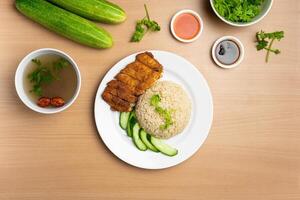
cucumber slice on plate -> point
(129, 130)
(163, 147)
(136, 138)
(130, 124)
(144, 138)
(124, 117)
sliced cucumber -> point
(129, 130)
(124, 116)
(136, 138)
(130, 123)
(163, 147)
(145, 140)
(141, 139)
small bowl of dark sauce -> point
(228, 52)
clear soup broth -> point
(63, 85)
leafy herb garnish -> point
(144, 25)
(165, 113)
(266, 40)
(44, 75)
(155, 100)
(58, 66)
(238, 10)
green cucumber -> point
(98, 10)
(65, 23)
(163, 147)
(145, 140)
(129, 130)
(136, 138)
(124, 117)
(131, 122)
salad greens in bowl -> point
(241, 12)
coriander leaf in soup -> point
(44, 75)
(37, 62)
(38, 77)
(37, 90)
(60, 64)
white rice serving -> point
(173, 98)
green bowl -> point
(266, 7)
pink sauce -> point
(186, 26)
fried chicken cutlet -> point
(122, 93)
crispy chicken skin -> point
(133, 74)
(132, 81)
(116, 103)
(149, 82)
(138, 73)
(140, 68)
(128, 80)
(148, 59)
(121, 93)
(123, 86)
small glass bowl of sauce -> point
(228, 52)
(186, 26)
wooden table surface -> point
(253, 149)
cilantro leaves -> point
(266, 40)
(238, 10)
(165, 113)
(44, 75)
(155, 100)
(144, 25)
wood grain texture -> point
(252, 152)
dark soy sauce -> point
(227, 52)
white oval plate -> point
(176, 69)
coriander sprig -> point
(143, 26)
(165, 113)
(44, 75)
(39, 76)
(265, 41)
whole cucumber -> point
(98, 10)
(65, 23)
